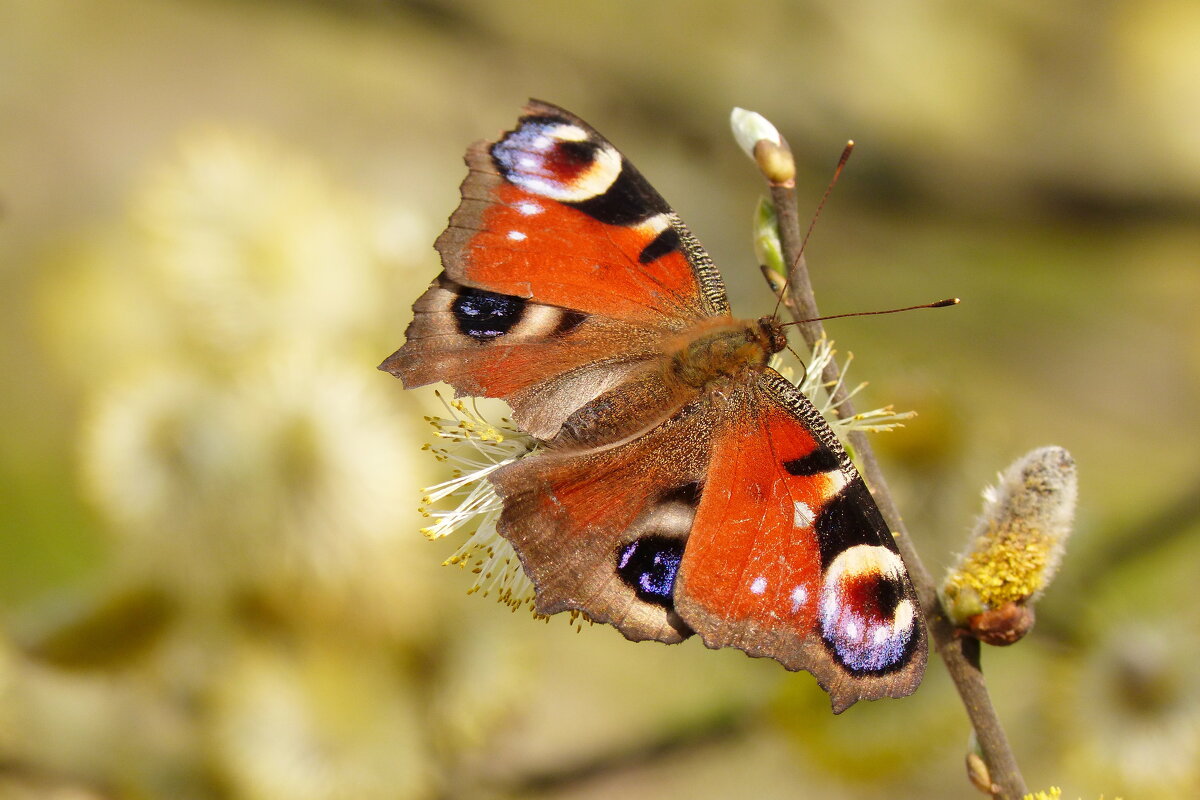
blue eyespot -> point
(649, 566)
(486, 315)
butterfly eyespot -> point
(484, 316)
(866, 618)
(649, 566)
(687, 494)
(556, 160)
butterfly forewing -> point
(563, 267)
(789, 557)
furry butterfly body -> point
(685, 486)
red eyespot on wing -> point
(869, 615)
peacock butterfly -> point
(684, 486)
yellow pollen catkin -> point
(1020, 538)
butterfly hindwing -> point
(603, 531)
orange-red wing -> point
(564, 272)
(554, 214)
(789, 558)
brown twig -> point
(961, 655)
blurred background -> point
(215, 215)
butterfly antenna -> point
(950, 301)
(803, 366)
(837, 173)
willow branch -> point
(960, 654)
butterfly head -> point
(773, 334)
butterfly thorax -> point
(725, 347)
